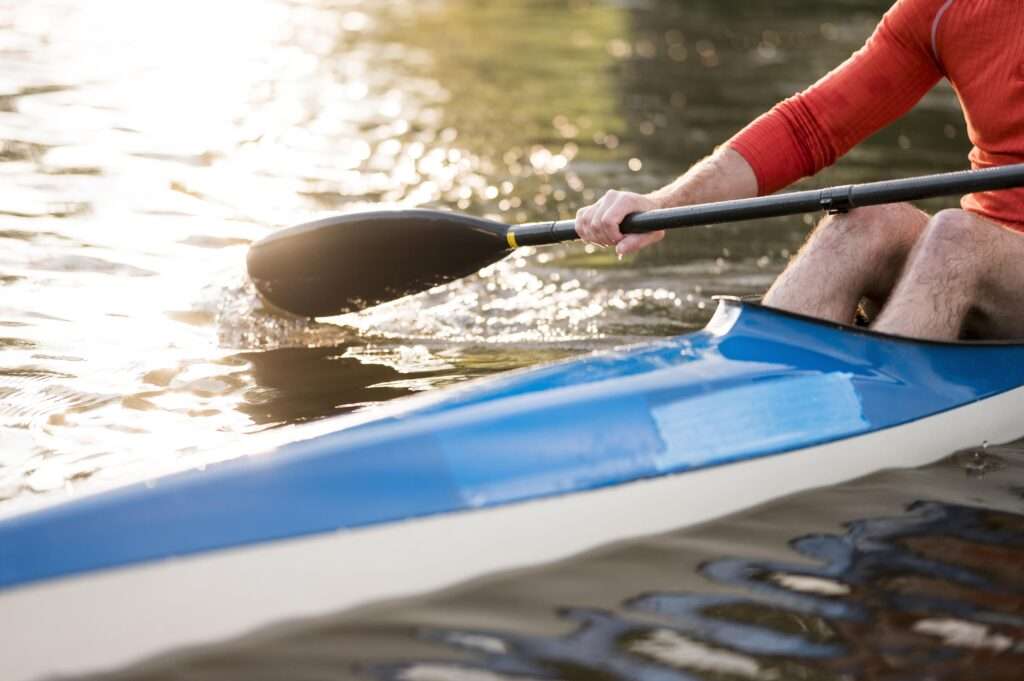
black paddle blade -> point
(351, 262)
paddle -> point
(351, 262)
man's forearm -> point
(721, 176)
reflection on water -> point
(340, 379)
(902, 575)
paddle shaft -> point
(832, 200)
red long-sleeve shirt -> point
(977, 44)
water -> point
(912, 574)
(144, 145)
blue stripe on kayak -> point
(769, 383)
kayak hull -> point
(500, 474)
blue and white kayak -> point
(501, 473)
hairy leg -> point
(963, 277)
(848, 257)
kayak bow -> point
(500, 473)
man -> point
(957, 273)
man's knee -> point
(874, 229)
(857, 221)
(952, 239)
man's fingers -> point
(587, 226)
(632, 243)
(600, 222)
(614, 215)
(605, 232)
(583, 223)
(600, 230)
(615, 207)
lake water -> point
(144, 145)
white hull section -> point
(105, 620)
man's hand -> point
(599, 223)
(723, 175)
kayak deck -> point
(755, 382)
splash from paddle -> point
(352, 262)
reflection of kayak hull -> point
(501, 473)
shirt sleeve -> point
(875, 86)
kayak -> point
(500, 473)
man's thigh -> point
(998, 309)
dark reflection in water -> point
(345, 381)
(915, 574)
(342, 378)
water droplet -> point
(977, 462)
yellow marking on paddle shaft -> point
(510, 236)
